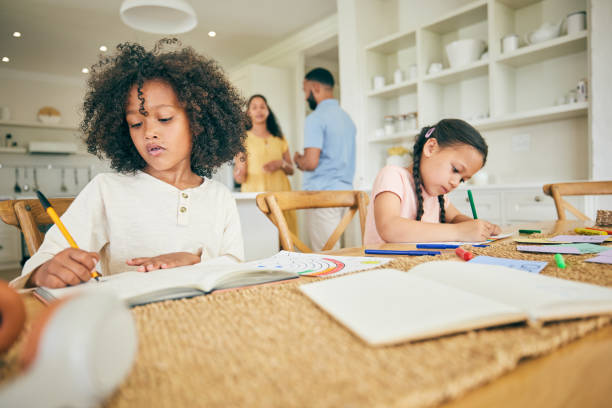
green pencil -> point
(472, 204)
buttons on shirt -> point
(183, 208)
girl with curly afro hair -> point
(165, 119)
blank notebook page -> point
(387, 306)
(542, 297)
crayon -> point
(587, 231)
(529, 231)
(464, 254)
(398, 252)
(560, 261)
(472, 204)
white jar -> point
(389, 125)
(378, 82)
(398, 76)
(412, 72)
(576, 22)
(510, 43)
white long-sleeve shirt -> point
(127, 216)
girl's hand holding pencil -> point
(68, 267)
(475, 230)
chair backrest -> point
(558, 190)
(28, 215)
(273, 205)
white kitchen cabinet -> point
(510, 204)
(488, 205)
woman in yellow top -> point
(268, 160)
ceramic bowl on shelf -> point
(545, 32)
(48, 115)
(464, 52)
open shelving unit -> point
(494, 92)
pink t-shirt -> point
(399, 181)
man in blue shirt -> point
(328, 161)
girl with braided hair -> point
(410, 204)
(165, 119)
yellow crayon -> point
(585, 231)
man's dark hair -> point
(320, 75)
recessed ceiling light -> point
(85, 70)
(212, 34)
(5, 59)
(16, 34)
(103, 48)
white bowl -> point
(464, 52)
(49, 119)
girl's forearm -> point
(399, 229)
(460, 218)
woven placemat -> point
(270, 346)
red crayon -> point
(463, 254)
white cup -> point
(576, 22)
(435, 67)
(510, 43)
(412, 71)
(378, 81)
(398, 76)
(5, 113)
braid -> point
(416, 172)
(442, 210)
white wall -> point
(25, 93)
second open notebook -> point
(388, 306)
(138, 287)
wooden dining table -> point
(578, 374)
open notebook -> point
(388, 306)
(138, 288)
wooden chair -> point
(28, 215)
(558, 190)
(273, 205)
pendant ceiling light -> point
(159, 16)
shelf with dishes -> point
(546, 50)
(461, 73)
(37, 125)
(390, 91)
(397, 137)
(466, 68)
(560, 112)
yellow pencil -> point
(56, 219)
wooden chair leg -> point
(344, 222)
(281, 223)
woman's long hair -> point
(271, 123)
